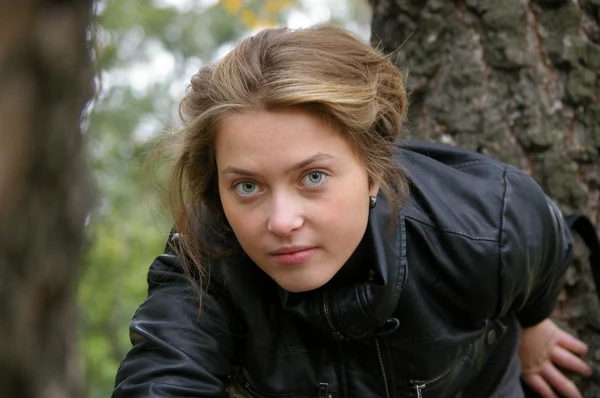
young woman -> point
(316, 254)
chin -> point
(300, 286)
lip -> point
(293, 255)
(290, 249)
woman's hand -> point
(544, 347)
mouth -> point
(293, 255)
(290, 250)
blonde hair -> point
(324, 69)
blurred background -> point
(146, 53)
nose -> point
(286, 215)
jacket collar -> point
(362, 308)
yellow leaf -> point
(233, 6)
(249, 18)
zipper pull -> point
(419, 388)
(323, 390)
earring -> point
(372, 201)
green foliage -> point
(145, 53)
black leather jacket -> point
(477, 247)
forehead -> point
(282, 136)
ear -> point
(374, 188)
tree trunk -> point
(45, 193)
(518, 80)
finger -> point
(539, 385)
(559, 381)
(566, 360)
(571, 343)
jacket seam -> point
(501, 242)
(485, 162)
(148, 340)
(402, 269)
(476, 238)
(467, 164)
(281, 354)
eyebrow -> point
(316, 157)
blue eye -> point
(313, 178)
(246, 188)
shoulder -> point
(460, 208)
(467, 193)
(454, 190)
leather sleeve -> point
(535, 249)
(177, 350)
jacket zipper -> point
(337, 336)
(324, 391)
(419, 385)
(382, 366)
(252, 391)
(328, 321)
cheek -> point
(345, 212)
(353, 196)
(234, 212)
(238, 217)
(245, 222)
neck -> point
(356, 269)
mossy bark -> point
(518, 80)
(45, 82)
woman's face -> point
(294, 192)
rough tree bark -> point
(45, 82)
(518, 80)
